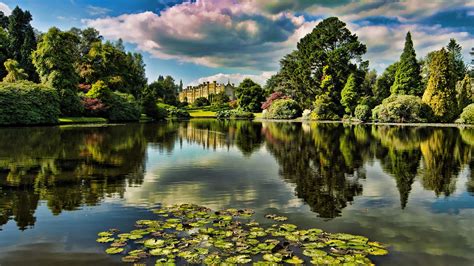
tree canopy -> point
(407, 78)
(250, 95)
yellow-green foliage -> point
(27, 103)
(440, 93)
(467, 115)
(15, 73)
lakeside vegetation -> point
(76, 73)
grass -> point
(81, 120)
(258, 115)
(202, 114)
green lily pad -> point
(114, 250)
(273, 257)
(240, 259)
(105, 234)
(294, 260)
(105, 239)
(154, 243)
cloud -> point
(97, 10)
(235, 78)
(5, 9)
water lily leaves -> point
(294, 260)
(194, 234)
(114, 250)
(105, 239)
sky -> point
(206, 40)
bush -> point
(122, 107)
(234, 114)
(273, 97)
(324, 108)
(283, 109)
(178, 113)
(152, 110)
(363, 112)
(93, 107)
(306, 114)
(467, 115)
(27, 103)
(402, 108)
(201, 101)
(70, 103)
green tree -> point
(329, 44)
(464, 94)
(250, 96)
(15, 73)
(440, 93)
(164, 89)
(349, 95)
(407, 77)
(456, 60)
(4, 55)
(368, 84)
(22, 40)
(381, 90)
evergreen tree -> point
(407, 77)
(3, 20)
(381, 90)
(22, 40)
(440, 93)
(349, 95)
(459, 69)
(464, 94)
(250, 96)
(4, 55)
(180, 89)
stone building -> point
(207, 90)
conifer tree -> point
(459, 69)
(407, 77)
(440, 93)
(464, 93)
(349, 95)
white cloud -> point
(5, 9)
(235, 78)
(97, 10)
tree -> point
(440, 94)
(368, 83)
(464, 94)
(4, 55)
(381, 90)
(165, 89)
(15, 73)
(55, 60)
(459, 69)
(250, 95)
(407, 77)
(180, 88)
(329, 44)
(349, 95)
(22, 40)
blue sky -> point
(231, 39)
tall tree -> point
(180, 85)
(381, 90)
(22, 40)
(4, 55)
(250, 95)
(440, 93)
(459, 69)
(3, 20)
(349, 95)
(407, 77)
(330, 43)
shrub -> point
(402, 108)
(467, 115)
(363, 112)
(283, 109)
(234, 114)
(201, 101)
(152, 110)
(306, 114)
(234, 104)
(324, 108)
(27, 103)
(177, 113)
(273, 97)
(122, 107)
(70, 103)
(93, 107)
(99, 90)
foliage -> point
(123, 107)
(273, 97)
(164, 89)
(363, 112)
(283, 109)
(349, 95)
(306, 114)
(15, 73)
(220, 99)
(467, 115)
(456, 61)
(407, 78)
(152, 110)
(402, 108)
(464, 95)
(381, 90)
(234, 114)
(178, 113)
(93, 107)
(201, 101)
(329, 44)
(99, 90)
(4, 55)
(26, 103)
(324, 109)
(440, 94)
(250, 96)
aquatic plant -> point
(197, 235)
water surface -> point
(409, 187)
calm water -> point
(409, 187)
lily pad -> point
(114, 250)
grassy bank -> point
(81, 120)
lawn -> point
(202, 114)
(81, 120)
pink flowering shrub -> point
(273, 97)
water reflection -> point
(69, 168)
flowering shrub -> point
(306, 114)
(273, 97)
(93, 107)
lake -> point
(409, 187)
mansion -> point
(206, 90)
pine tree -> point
(407, 77)
(459, 69)
(440, 93)
(464, 93)
(349, 95)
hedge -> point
(27, 103)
